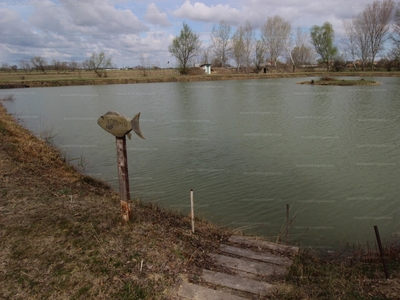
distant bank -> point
(121, 77)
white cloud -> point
(214, 13)
(156, 17)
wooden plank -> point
(266, 257)
(264, 244)
(248, 265)
(236, 282)
(197, 292)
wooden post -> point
(123, 178)
(378, 238)
(287, 223)
(192, 208)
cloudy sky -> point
(70, 30)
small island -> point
(340, 82)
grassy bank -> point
(61, 237)
(51, 78)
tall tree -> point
(357, 41)
(275, 35)
(395, 36)
(376, 20)
(299, 50)
(238, 48)
(249, 43)
(98, 62)
(259, 55)
(185, 46)
(322, 40)
(349, 42)
(220, 43)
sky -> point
(136, 31)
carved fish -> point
(119, 125)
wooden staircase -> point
(253, 268)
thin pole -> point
(192, 208)
(287, 223)
(123, 178)
(378, 238)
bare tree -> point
(220, 43)
(249, 43)
(358, 42)
(73, 65)
(39, 63)
(144, 64)
(275, 34)
(375, 19)
(25, 65)
(59, 66)
(98, 63)
(5, 67)
(299, 50)
(205, 55)
(349, 43)
(395, 36)
(238, 48)
(185, 46)
(259, 55)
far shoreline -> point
(75, 81)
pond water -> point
(246, 148)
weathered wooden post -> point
(120, 126)
(378, 238)
(192, 208)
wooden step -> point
(236, 282)
(248, 265)
(197, 292)
(265, 257)
(249, 241)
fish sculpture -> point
(119, 125)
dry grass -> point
(349, 273)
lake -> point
(247, 148)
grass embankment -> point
(52, 78)
(340, 82)
(61, 237)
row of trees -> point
(366, 35)
(97, 62)
(367, 32)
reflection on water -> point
(246, 148)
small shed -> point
(207, 68)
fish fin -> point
(112, 113)
(129, 135)
(135, 125)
